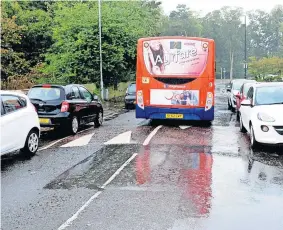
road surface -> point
(138, 174)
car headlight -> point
(265, 117)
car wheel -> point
(242, 128)
(31, 144)
(99, 119)
(254, 143)
(74, 126)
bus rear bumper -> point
(188, 113)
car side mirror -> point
(246, 103)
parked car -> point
(67, 107)
(235, 88)
(20, 129)
(242, 95)
(261, 114)
(130, 97)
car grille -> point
(279, 129)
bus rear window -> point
(45, 94)
(175, 57)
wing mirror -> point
(246, 103)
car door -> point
(13, 126)
(91, 104)
(246, 110)
(78, 103)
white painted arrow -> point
(184, 127)
(84, 140)
(123, 138)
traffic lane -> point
(26, 204)
(173, 184)
(181, 187)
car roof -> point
(12, 92)
(266, 84)
(54, 85)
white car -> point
(261, 114)
(19, 122)
(235, 89)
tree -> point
(74, 56)
(12, 62)
(182, 22)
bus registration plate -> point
(174, 116)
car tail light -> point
(46, 86)
(65, 106)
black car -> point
(130, 98)
(66, 107)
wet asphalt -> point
(195, 177)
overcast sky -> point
(209, 5)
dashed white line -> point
(57, 141)
(81, 141)
(82, 208)
(151, 135)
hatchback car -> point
(235, 88)
(130, 98)
(20, 127)
(66, 107)
(261, 114)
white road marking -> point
(55, 142)
(184, 127)
(151, 135)
(82, 208)
(81, 141)
(123, 138)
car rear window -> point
(132, 88)
(45, 94)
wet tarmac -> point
(189, 176)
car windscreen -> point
(132, 88)
(269, 95)
(45, 94)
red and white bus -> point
(175, 78)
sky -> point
(206, 6)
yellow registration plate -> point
(175, 116)
(44, 121)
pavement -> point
(139, 174)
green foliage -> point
(58, 41)
(264, 67)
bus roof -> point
(175, 37)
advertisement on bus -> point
(178, 57)
(174, 97)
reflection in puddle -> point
(178, 166)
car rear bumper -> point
(59, 119)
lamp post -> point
(245, 64)
(100, 49)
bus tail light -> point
(140, 101)
(209, 100)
